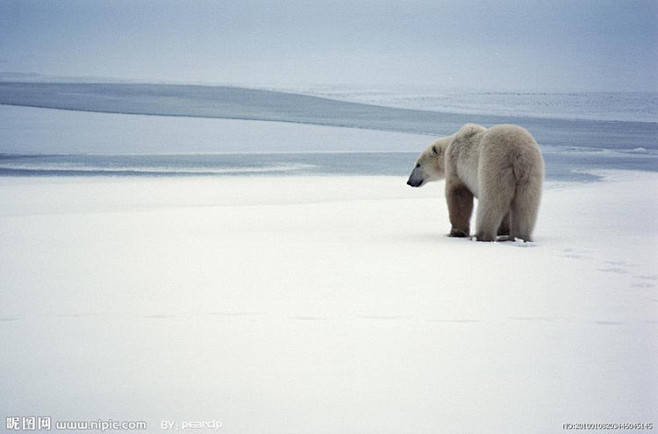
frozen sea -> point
(119, 129)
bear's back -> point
(507, 137)
(508, 145)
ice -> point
(27, 130)
(266, 105)
(601, 106)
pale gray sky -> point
(564, 45)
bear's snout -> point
(416, 178)
(414, 183)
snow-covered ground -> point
(324, 305)
(314, 302)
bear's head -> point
(430, 165)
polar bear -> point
(501, 166)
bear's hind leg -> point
(496, 193)
(460, 208)
(525, 207)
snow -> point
(522, 243)
(324, 305)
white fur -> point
(501, 166)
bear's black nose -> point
(417, 177)
(414, 182)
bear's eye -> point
(417, 165)
(434, 150)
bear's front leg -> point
(460, 208)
